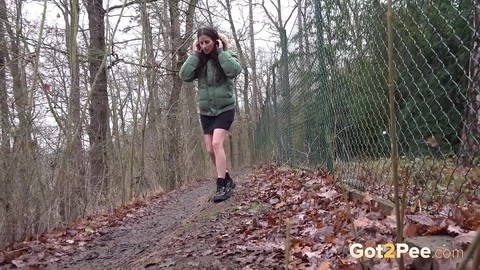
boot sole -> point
(217, 200)
(221, 199)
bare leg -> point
(208, 145)
(219, 151)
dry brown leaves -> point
(253, 234)
(321, 232)
(50, 247)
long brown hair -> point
(213, 55)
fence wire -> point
(328, 101)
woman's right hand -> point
(195, 46)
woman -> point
(215, 67)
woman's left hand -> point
(220, 43)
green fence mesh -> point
(328, 101)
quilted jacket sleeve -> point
(230, 64)
(188, 70)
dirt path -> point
(277, 218)
(144, 242)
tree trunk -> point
(5, 149)
(178, 44)
(253, 65)
(99, 111)
(75, 120)
(300, 31)
(23, 136)
(151, 110)
(470, 147)
(153, 105)
(173, 149)
(284, 79)
(71, 177)
(243, 60)
(22, 141)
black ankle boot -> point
(221, 193)
(230, 185)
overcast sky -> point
(33, 11)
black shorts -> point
(223, 121)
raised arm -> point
(188, 71)
(229, 62)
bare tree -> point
(280, 25)
(470, 147)
(151, 106)
(71, 180)
(253, 63)
(98, 108)
(5, 150)
(179, 48)
(21, 164)
(243, 60)
(154, 111)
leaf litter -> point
(253, 233)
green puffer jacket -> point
(213, 97)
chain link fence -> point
(328, 101)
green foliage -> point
(432, 42)
(340, 106)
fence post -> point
(324, 118)
(393, 132)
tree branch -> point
(290, 16)
(270, 16)
(129, 4)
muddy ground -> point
(277, 218)
(145, 242)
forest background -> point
(93, 113)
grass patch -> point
(432, 181)
(256, 207)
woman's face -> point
(206, 44)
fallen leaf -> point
(455, 230)
(330, 194)
(329, 179)
(467, 218)
(89, 230)
(411, 229)
(362, 222)
(324, 266)
(329, 238)
(279, 205)
(19, 263)
(434, 230)
(367, 198)
(421, 219)
(313, 182)
(9, 257)
(465, 239)
(432, 141)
